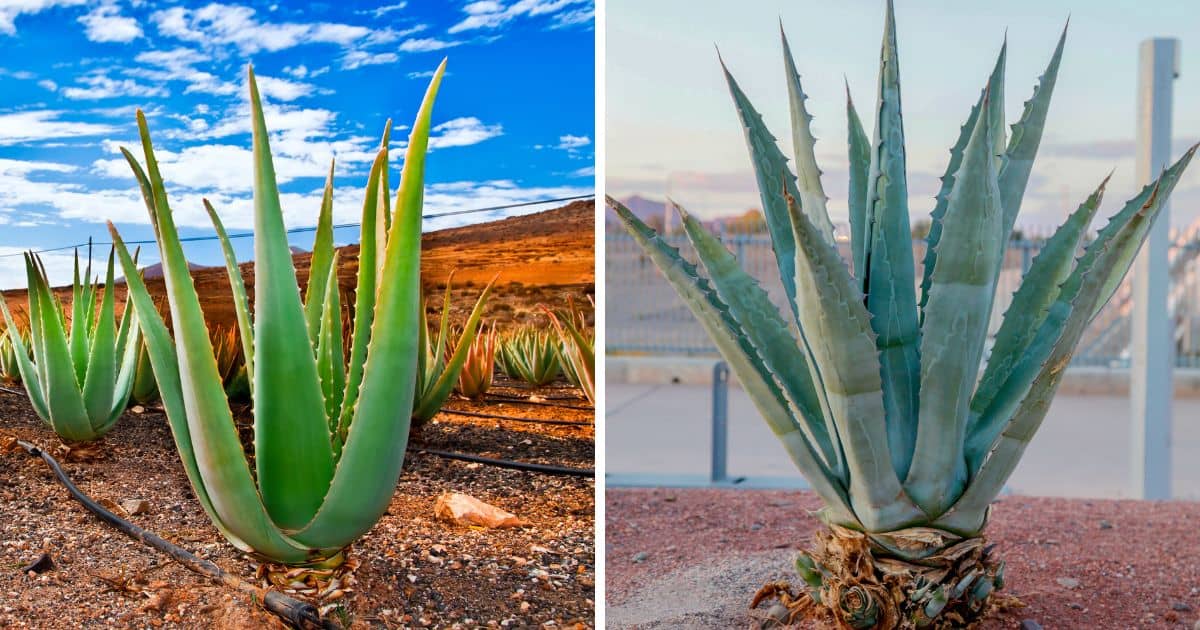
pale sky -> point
(672, 129)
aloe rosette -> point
(475, 379)
(78, 367)
(440, 364)
(530, 354)
(329, 440)
(874, 390)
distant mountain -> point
(156, 270)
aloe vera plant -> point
(530, 354)
(576, 350)
(78, 368)
(10, 370)
(328, 441)
(439, 364)
(876, 393)
(480, 365)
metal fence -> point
(645, 316)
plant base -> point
(913, 578)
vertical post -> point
(1151, 384)
(720, 422)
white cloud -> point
(106, 24)
(587, 171)
(299, 72)
(10, 10)
(491, 14)
(179, 64)
(28, 126)
(220, 24)
(358, 58)
(282, 89)
(100, 86)
(48, 84)
(461, 132)
(385, 9)
(572, 143)
(425, 44)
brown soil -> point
(694, 558)
(415, 571)
(542, 258)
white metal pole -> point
(1151, 384)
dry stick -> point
(297, 613)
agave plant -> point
(876, 395)
(480, 365)
(328, 443)
(530, 354)
(576, 350)
(78, 369)
(439, 365)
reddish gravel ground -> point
(693, 558)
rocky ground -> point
(694, 558)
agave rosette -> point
(875, 394)
(328, 443)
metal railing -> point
(645, 316)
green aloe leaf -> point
(289, 414)
(440, 389)
(322, 257)
(102, 366)
(237, 283)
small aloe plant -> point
(874, 391)
(10, 369)
(476, 377)
(78, 369)
(328, 441)
(530, 354)
(577, 349)
(440, 364)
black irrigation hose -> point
(297, 613)
(505, 463)
(516, 400)
(476, 414)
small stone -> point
(1181, 607)
(1075, 606)
(1067, 582)
(133, 507)
(640, 557)
(464, 509)
(1105, 525)
(138, 409)
(755, 527)
(1030, 624)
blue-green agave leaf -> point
(808, 174)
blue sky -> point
(671, 126)
(514, 119)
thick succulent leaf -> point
(1027, 368)
(745, 363)
(439, 390)
(843, 346)
(330, 353)
(208, 446)
(374, 451)
(994, 85)
(102, 359)
(25, 366)
(1065, 323)
(860, 167)
(64, 400)
(322, 256)
(956, 322)
(1026, 137)
(77, 335)
(289, 413)
(770, 168)
(889, 274)
(364, 293)
(808, 174)
(237, 283)
(383, 213)
(1028, 309)
(781, 353)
